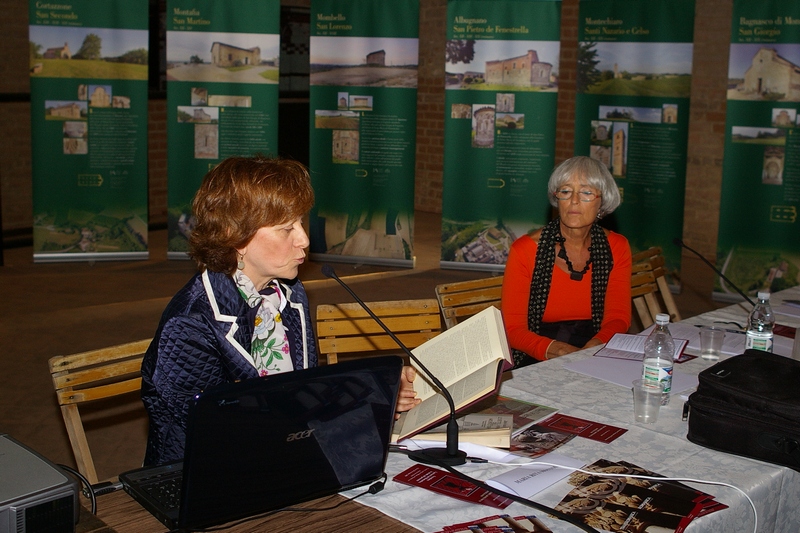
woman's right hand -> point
(558, 348)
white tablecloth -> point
(661, 447)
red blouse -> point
(568, 299)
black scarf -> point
(602, 263)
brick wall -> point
(706, 129)
(157, 162)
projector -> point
(35, 495)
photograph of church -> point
(764, 72)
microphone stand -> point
(679, 242)
(450, 455)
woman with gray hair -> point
(567, 285)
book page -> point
(457, 352)
(435, 408)
(626, 346)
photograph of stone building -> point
(100, 95)
(757, 71)
(227, 55)
(460, 111)
(784, 117)
(772, 173)
(602, 154)
(669, 114)
(510, 121)
(199, 96)
(87, 52)
(75, 130)
(771, 74)
(377, 58)
(59, 52)
(600, 130)
(230, 100)
(363, 61)
(618, 150)
(65, 109)
(360, 103)
(198, 115)
(74, 138)
(522, 71)
(503, 66)
(75, 146)
(121, 102)
(504, 102)
(197, 56)
(345, 146)
(206, 141)
(483, 126)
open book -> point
(625, 346)
(468, 359)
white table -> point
(661, 447)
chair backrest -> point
(90, 376)
(646, 265)
(643, 295)
(348, 329)
(462, 299)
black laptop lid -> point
(267, 443)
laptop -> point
(267, 443)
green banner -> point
(501, 81)
(758, 245)
(88, 68)
(222, 94)
(363, 106)
(632, 111)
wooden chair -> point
(90, 376)
(648, 268)
(348, 329)
(463, 299)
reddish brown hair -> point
(237, 198)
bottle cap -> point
(763, 295)
(662, 318)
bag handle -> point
(781, 444)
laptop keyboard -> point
(165, 489)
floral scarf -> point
(270, 345)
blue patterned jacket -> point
(203, 339)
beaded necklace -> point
(573, 274)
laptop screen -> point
(267, 443)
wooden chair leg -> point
(80, 446)
(669, 301)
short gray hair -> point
(591, 172)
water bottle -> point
(659, 354)
(760, 325)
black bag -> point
(749, 405)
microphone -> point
(678, 242)
(450, 455)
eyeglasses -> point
(584, 195)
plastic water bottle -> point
(659, 356)
(760, 325)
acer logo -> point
(299, 435)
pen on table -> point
(723, 329)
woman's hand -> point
(407, 396)
(558, 348)
(594, 341)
